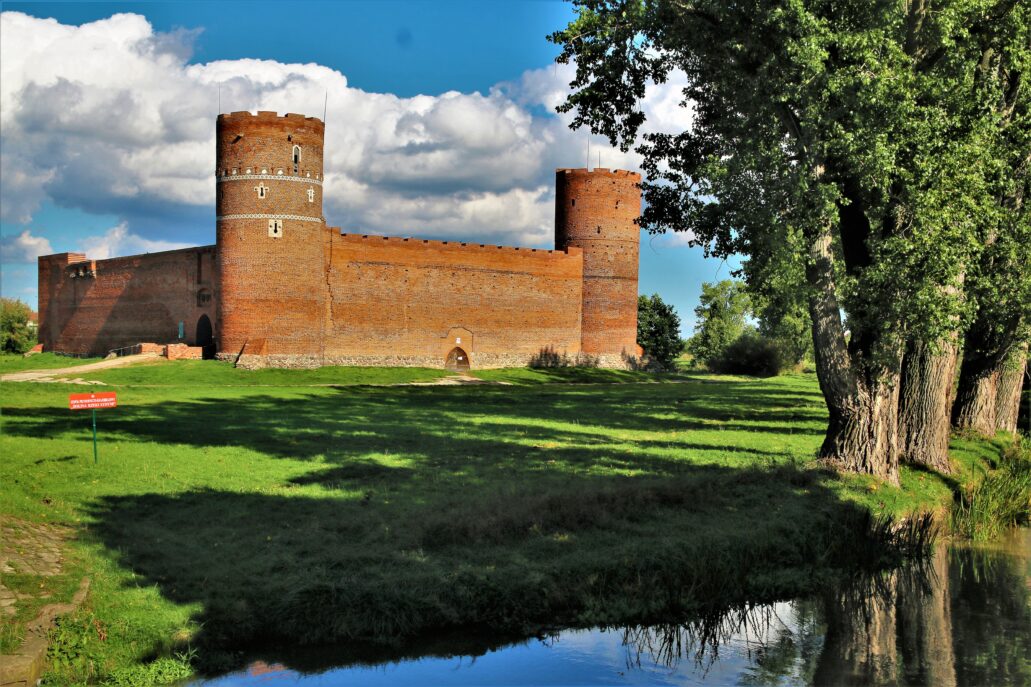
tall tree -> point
(999, 284)
(16, 334)
(819, 125)
(658, 331)
(721, 317)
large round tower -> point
(597, 212)
(270, 238)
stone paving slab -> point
(28, 548)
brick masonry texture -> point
(124, 301)
(300, 294)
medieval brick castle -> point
(280, 288)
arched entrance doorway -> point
(457, 360)
(204, 336)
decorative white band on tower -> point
(299, 218)
(277, 177)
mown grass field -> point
(231, 508)
(40, 361)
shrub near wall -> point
(749, 354)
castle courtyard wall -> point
(404, 301)
(124, 301)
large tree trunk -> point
(862, 435)
(924, 403)
(974, 409)
(1007, 396)
(863, 405)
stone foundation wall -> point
(478, 361)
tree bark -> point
(862, 432)
(924, 402)
(1007, 394)
(974, 409)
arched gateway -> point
(457, 360)
(204, 336)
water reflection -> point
(962, 617)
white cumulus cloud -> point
(23, 247)
(109, 117)
(118, 240)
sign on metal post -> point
(105, 399)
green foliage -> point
(749, 354)
(658, 331)
(549, 358)
(897, 127)
(722, 316)
(73, 645)
(784, 319)
(16, 336)
(161, 671)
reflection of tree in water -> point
(991, 611)
(959, 617)
(893, 629)
(775, 646)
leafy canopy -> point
(721, 318)
(16, 336)
(658, 331)
(867, 116)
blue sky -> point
(475, 80)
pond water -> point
(963, 618)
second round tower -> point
(597, 210)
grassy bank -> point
(10, 362)
(231, 507)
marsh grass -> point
(226, 513)
(1001, 500)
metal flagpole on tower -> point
(325, 106)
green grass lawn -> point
(230, 507)
(10, 362)
(205, 373)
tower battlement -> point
(265, 115)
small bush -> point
(749, 354)
(548, 357)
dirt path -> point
(452, 380)
(59, 374)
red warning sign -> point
(107, 399)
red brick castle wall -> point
(411, 301)
(90, 307)
(280, 288)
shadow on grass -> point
(513, 509)
(353, 421)
(296, 570)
